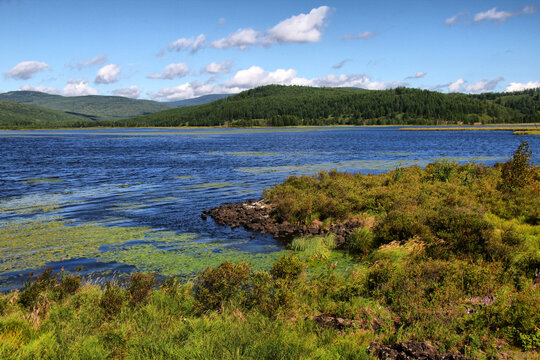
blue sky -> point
(171, 50)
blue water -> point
(174, 175)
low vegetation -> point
(449, 254)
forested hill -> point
(93, 107)
(277, 105)
(14, 115)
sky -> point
(172, 50)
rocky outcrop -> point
(255, 215)
(411, 350)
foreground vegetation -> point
(276, 105)
(449, 254)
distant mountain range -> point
(92, 107)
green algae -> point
(184, 177)
(42, 180)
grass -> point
(516, 128)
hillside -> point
(196, 101)
(276, 105)
(93, 107)
(15, 115)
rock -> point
(255, 215)
(411, 350)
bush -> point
(400, 225)
(461, 232)
(214, 286)
(139, 287)
(33, 288)
(112, 299)
(441, 170)
(516, 172)
(288, 267)
(69, 285)
(360, 241)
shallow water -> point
(153, 184)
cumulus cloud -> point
(26, 69)
(461, 85)
(108, 74)
(217, 68)
(483, 85)
(257, 76)
(183, 44)
(98, 60)
(340, 64)
(172, 71)
(77, 87)
(241, 39)
(501, 16)
(39, 88)
(364, 35)
(418, 75)
(130, 92)
(300, 28)
(184, 91)
(515, 86)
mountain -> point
(14, 115)
(93, 107)
(277, 105)
(196, 101)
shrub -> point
(441, 170)
(214, 286)
(462, 233)
(33, 288)
(69, 284)
(516, 172)
(139, 287)
(288, 267)
(112, 299)
(360, 241)
(400, 225)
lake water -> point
(117, 200)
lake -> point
(112, 201)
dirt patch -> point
(411, 350)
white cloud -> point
(456, 86)
(300, 28)
(257, 76)
(76, 87)
(340, 64)
(364, 35)
(222, 21)
(478, 87)
(39, 88)
(180, 44)
(107, 74)
(130, 92)
(98, 60)
(501, 16)
(184, 91)
(172, 71)
(418, 75)
(241, 39)
(483, 85)
(217, 68)
(199, 43)
(26, 69)
(452, 20)
(522, 86)
(195, 44)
